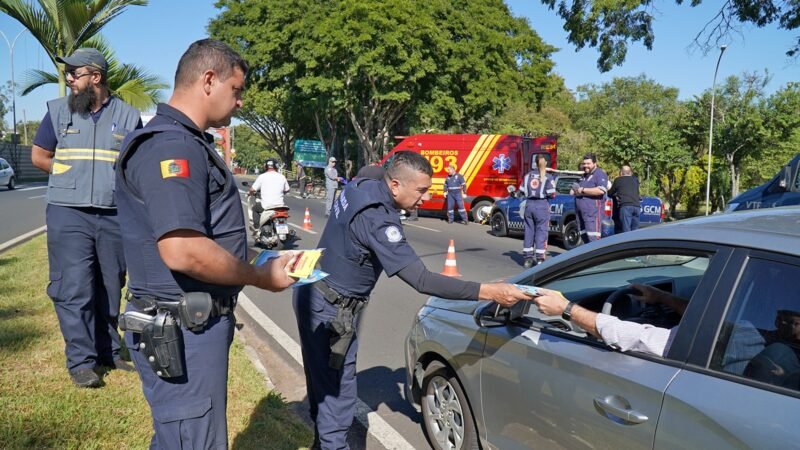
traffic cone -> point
(307, 221)
(450, 268)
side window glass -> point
(563, 185)
(760, 337)
(3, 165)
(797, 181)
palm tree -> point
(130, 83)
(63, 26)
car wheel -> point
(499, 227)
(446, 417)
(480, 211)
(572, 235)
(12, 183)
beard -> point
(81, 102)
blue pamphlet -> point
(533, 290)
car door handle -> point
(619, 407)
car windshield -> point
(640, 262)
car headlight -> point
(731, 207)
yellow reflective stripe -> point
(86, 150)
(89, 157)
(472, 153)
(481, 156)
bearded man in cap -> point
(77, 145)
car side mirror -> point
(785, 177)
(491, 315)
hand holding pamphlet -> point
(532, 290)
(303, 267)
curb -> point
(23, 238)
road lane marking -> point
(37, 196)
(30, 188)
(8, 244)
(405, 223)
(301, 228)
(371, 420)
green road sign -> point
(310, 153)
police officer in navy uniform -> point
(363, 238)
(185, 241)
(454, 189)
(77, 144)
(537, 186)
(590, 192)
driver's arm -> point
(620, 334)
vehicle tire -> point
(446, 416)
(498, 224)
(12, 184)
(571, 236)
(480, 211)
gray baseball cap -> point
(85, 57)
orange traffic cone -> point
(307, 221)
(450, 268)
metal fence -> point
(23, 167)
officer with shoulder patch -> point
(363, 238)
(185, 241)
(537, 186)
(77, 144)
(454, 189)
(589, 194)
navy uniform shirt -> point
(183, 187)
(454, 184)
(595, 179)
(362, 241)
(538, 185)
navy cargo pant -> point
(454, 198)
(537, 227)
(87, 272)
(331, 393)
(189, 411)
(589, 219)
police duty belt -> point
(342, 328)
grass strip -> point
(40, 408)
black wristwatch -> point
(567, 314)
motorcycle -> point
(273, 230)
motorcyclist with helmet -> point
(273, 185)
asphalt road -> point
(381, 366)
(21, 210)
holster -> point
(162, 345)
(342, 328)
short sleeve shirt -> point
(596, 179)
(381, 232)
(173, 175)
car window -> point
(797, 181)
(564, 184)
(676, 273)
(3, 165)
(760, 336)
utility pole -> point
(711, 127)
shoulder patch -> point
(174, 168)
(393, 234)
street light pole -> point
(711, 127)
(13, 89)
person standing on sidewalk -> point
(538, 186)
(331, 184)
(625, 191)
(77, 143)
(455, 187)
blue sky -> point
(155, 36)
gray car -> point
(492, 377)
(7, 176)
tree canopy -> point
(609, 25)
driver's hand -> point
(648, 294)
(550, 303)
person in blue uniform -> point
(77, 144)
(185, 242)
(455, 187)
(537, 186)
(589, 194)
(363, 238)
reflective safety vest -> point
(83, 164)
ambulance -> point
(489, 163)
